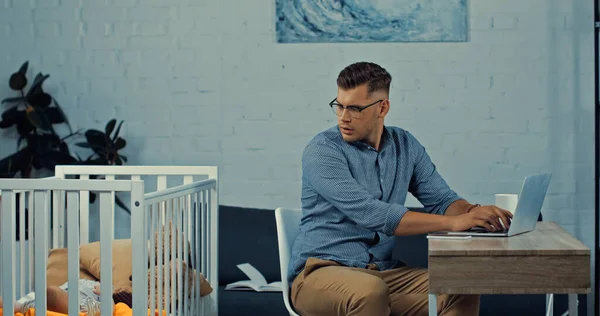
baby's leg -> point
(17, 306)
(58, 300)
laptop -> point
(529, 206)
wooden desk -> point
(547, 260)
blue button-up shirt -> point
(353, 197)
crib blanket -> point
(31, 312)
(120, 309)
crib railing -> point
(192, 208)
(160, 175)
(24, 248)
(201, 198)
(34, 195)
(189, 213)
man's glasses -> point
(354, 110)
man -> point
(355, 178)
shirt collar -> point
(385, 141)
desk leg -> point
(432, 304)
(573, 304)
(549, 304)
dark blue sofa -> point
(249, 235)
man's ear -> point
(384, 108)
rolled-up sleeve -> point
(426, 184)
(327, 172)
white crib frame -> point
(142, 205)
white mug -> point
(507, 202)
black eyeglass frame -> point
(352, 107)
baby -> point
(57, 299)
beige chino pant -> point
(329, 288)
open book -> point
(256, 282)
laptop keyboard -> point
(480, 229)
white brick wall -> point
(205, 83)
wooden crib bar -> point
(38, 209)
(185, 209)
(192, 208)
(139, 249)
(8, 234)
(73, 249)
(134, 172)
(41, 209)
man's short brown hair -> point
(360, 73)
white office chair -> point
(288, 221)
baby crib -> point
(54, 212)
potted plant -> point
(34, 113)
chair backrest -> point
(288, 222)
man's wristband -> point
(472, 207)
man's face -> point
(357, 125)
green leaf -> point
(63, 148)
(11, 117)
(70, 135)
(118, 161)
(24, 126)
(36, 86)
(110, 126)
(19, 141)
(54, 116)
(12, 100)
(39, 119)
(24, 67)
(123, 157)
(83, 145)
(12, 113)
(122, 205)
(10, 174)
(53, 158)
(33, 117)
(15, 162)
(39, 78)
(120, 143)
(40, 100)
(62, 113)
(101, 161)
(46, 143)
(96, 138)
(17, 81)
(5, 124)
(117, 132)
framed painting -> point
(300, 21)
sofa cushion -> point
(250, 235)
(247, 235)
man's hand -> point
(487, 216)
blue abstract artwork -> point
(300, 21)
